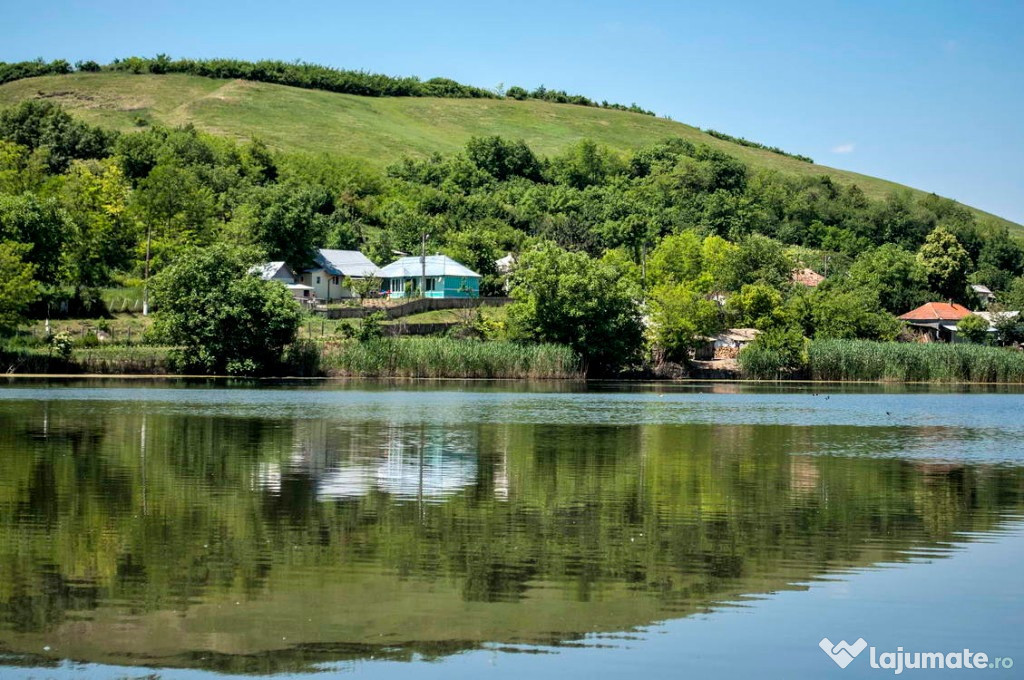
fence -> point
(90, 335)
(412, 307)
(418, 328)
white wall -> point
(328, 288)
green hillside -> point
(379, 130)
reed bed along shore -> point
(111, 360)
(449, 358)
(912, 362)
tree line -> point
(742, 141)
(304, 75)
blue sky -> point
(927, 93)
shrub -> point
(62, 345)
(775, 354)
(570, 299)
(973, 328)
(223, 319)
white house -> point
(279, 271)
(330, 269)
(505, 266)
(985, 295)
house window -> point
(318, 280)
(431, 284)
(334, 280)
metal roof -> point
(344, 263)
(993, 317)
(268, 270)
(436, 265)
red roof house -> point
(937, 311)
(938, 319)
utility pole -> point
(145, 281)
(423, 264)
(643, 263)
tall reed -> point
(114, 359)
(449, 358)
(913, 362)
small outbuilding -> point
(439, 276)
(281, 272)
(727, 344)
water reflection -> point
(136, 534)
(406, 464)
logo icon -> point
(841, 652)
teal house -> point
(439, 275)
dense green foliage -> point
(946, 263)
(570, 299)
(223, 319)
(45, 128)
(17, 286)
(893, 274)
(973, 328)
(681, 234)
(32, 69)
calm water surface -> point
(497, 530)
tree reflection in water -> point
(266, 544)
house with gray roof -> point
(439, 275)
(327, 277)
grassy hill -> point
(379, 130)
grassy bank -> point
(449, 358)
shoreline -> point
(595, 381)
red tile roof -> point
(930, 311)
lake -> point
(498, 530)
